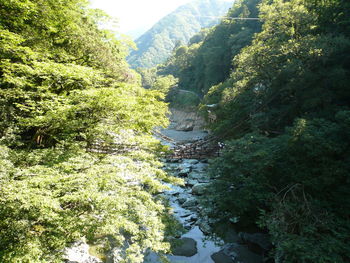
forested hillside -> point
(156, 45)
(277, 90)
(65, 86)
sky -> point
(137, 15)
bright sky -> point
(137, 14)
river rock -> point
(184, 172)
(187, 247)
(182, 198)
(195, 176)
(191, 182)
(190, 203)
(204, 226)
(199, 189)
(187, 125)
(234, 253)
(79, 253)
(204, 180)
(192, 218)
(262, 240)
(221, 257)
(192, 161)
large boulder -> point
(187, 247)
(186, 125)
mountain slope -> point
(156, 45)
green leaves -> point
(65, 84)
(47, 205)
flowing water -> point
(186, 209)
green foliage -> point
(47, 202)
(299, 179)
(64, 85)
(208, 59)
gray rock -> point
(191, 202)
(204, 227)
(182, 199)
(79, 253)
(187, 247)
(185, 165)
(192, 161)
(199, 189)
(186, 213)
(184, 172)
(187, 125)
(221, 257)
(234, 253)
(195, 176)
(262, 240)
(192, 218)
(191, 182)
(204, 180)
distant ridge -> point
(156, 45)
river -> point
(196, 247)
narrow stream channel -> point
(196, 247)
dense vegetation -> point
(64, 85)
(156, 44)
(281, 99)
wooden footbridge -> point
(199, 149)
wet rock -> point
(234, 253)
(192, 161)
(186, 213)
(79, 253)
(192, 218)
(184, 172)
(199, 189)
(190, 203)
(204, 226)
(187, 247)
(221, 257)
(182, 199)
(191, 182)
(195, 176)
(259, 239)
(204, 180)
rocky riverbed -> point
(195, 246)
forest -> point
(274, 88)
(65, 84)
(156, 45)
